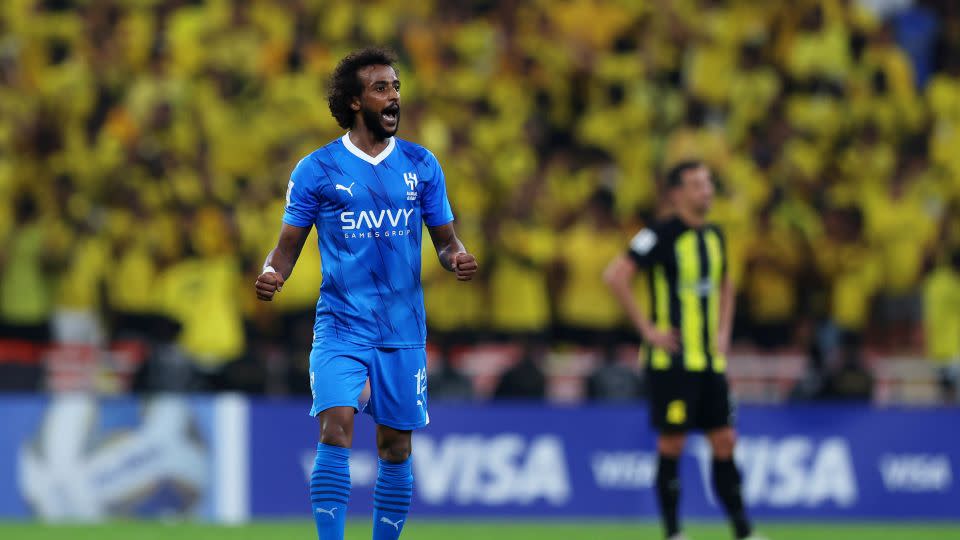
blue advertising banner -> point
(523, 460)
(79, 458)
(229, 458)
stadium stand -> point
(145, 146)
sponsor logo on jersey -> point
(376, 223)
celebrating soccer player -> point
(688, 336)
(367, 193)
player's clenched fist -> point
(268, 284)
(465, 266)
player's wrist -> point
(449, 260)
(267, 269)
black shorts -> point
(681, 401)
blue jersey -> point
(368, 211)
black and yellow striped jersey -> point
(686, 268)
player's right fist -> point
(268, 284)
(464, 266)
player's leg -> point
(330, 479)
(669, 449)
(726, 479)
(337, 376)
(718, 421)
(670, 402)
(394, 489)
(398, 404)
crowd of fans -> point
(145, 147)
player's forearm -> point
(282, 262)
(447, 244)
(284, 256)
(618, 277)
(624, 296)
(727, 308)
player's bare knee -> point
(334, 434)
(394, 445)
(395, 453)
(336, 427)
(722, 443)
(671, 445)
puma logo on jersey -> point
(330, 511)
(396, 525)
(341, 187)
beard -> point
(373, 121)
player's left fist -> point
(464, 266)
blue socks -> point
(391, 499)
(330, 490)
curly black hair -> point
(345, 85)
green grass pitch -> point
(474, 530)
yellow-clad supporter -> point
(869, 160)
(134, 265)
(902, 223)
(200, 292)
(849, 267)
(941, 307)
(27, 284)
(820, 43)
(943, 100)
(81, 287)
(526, 247)
(585, 311)
(773, 262)
(753, 90)
(882, 88)
(455, 313)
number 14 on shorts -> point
(421, 377)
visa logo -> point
(916, 473)
(790, 471)
(630, 470)
(503, 469)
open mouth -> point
(391, 114)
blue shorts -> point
(398, 382)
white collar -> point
(352, 148)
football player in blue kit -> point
(367, 194)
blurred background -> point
(145, 147)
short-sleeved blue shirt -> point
(368, 213)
